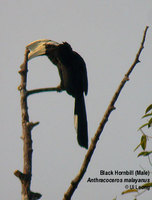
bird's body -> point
(73, 75)
(71, 67)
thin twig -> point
(52, 89)
(79, 176)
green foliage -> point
(144, 137)
(148, 113)
(148, 108)
(143, 126)
(143, 141)
(147, 185)
(129, 191)
(143, 144)
(145, 153)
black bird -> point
(73, 75)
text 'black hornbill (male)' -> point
(73, 75)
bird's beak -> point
(38, 47)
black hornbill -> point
(73, 75)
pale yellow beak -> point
(38, 47)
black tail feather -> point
(80, 121)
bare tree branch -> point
(52, 89)
(27, 126)
(79, 176)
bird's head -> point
(38, 47)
